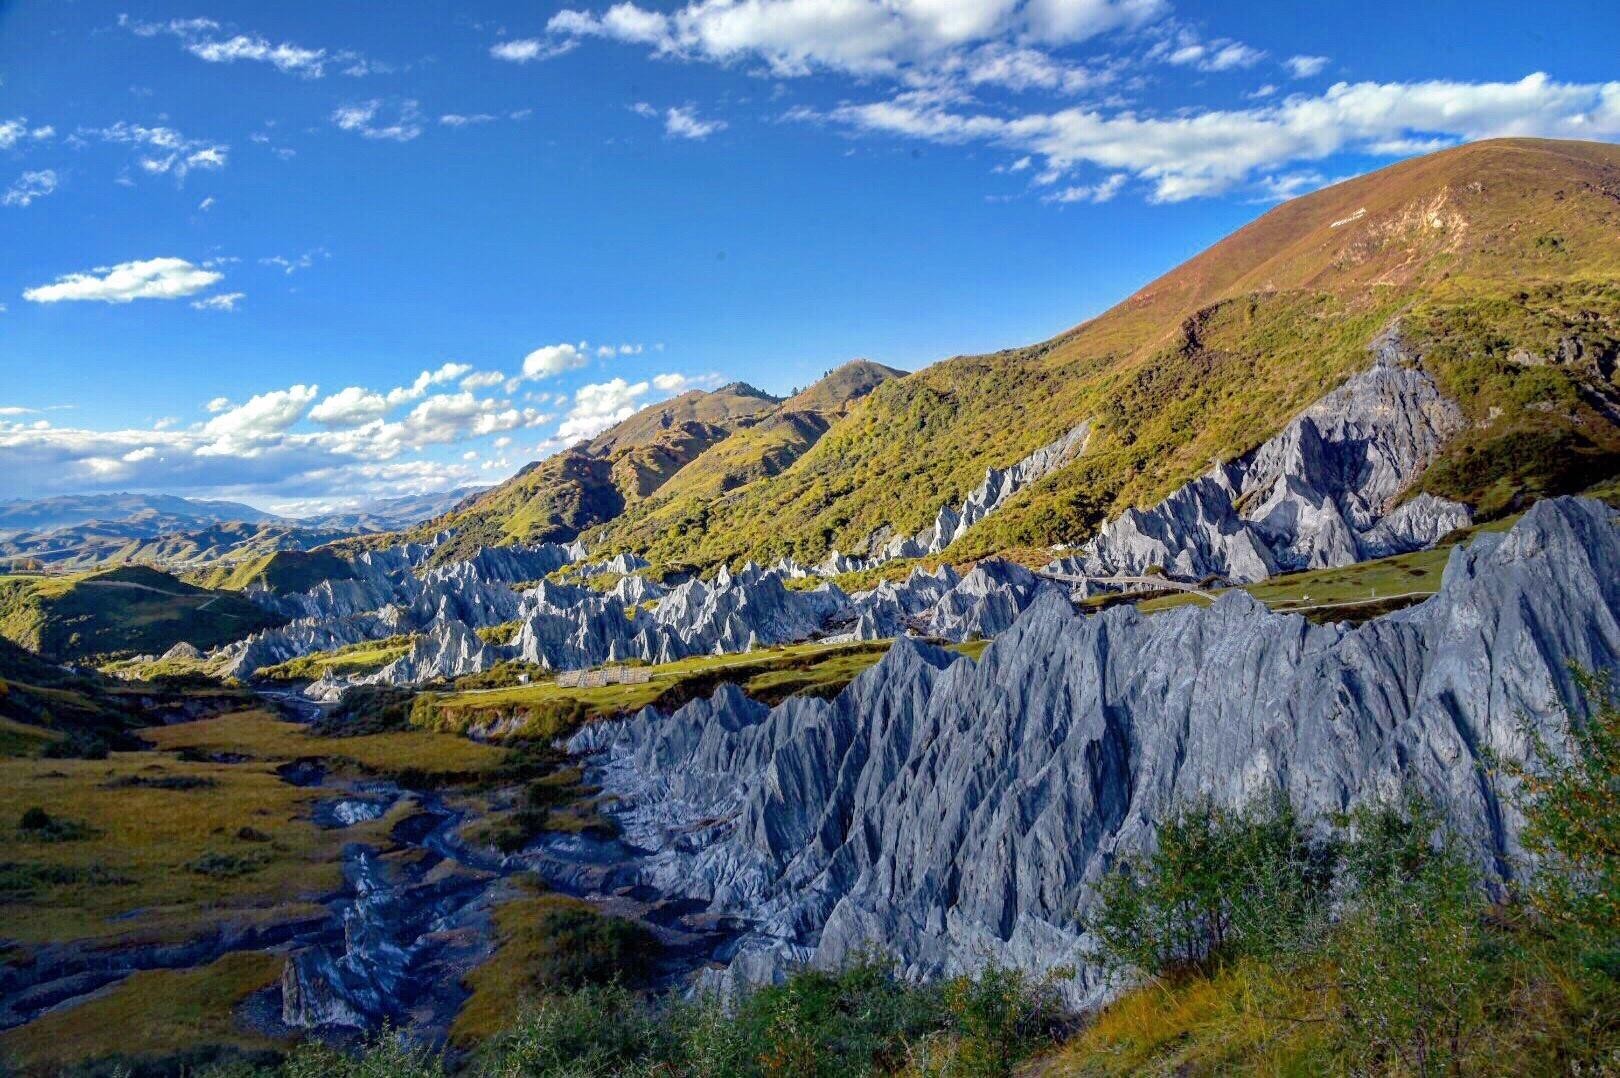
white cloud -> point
(600, 405)
(206, 204)
(263, 416)
(861, 37)
(29, 186)
(218, 404)
(1197, 153)
(362, 118)
(522, 50)
(349, 407)
(202, 39)
(553, 359)
(483, 380)
(163, 150)
(1221, 54)
(446, 373)
(153, 278)
(15, 130)
(1102, 191)
(224, 301)
(1303, 67)
(456, 119)
(683, 122)
(292, 265)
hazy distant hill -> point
(393, 514)
(164, 511)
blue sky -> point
(304, 254)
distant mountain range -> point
(82, 531)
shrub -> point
(1220, 883)
(1406, 956)
(1572, 807)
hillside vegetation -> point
(1497, 258)
(738, 432)
(119, 612)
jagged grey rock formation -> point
(388, 593)
(448, 650)
(1321, 493)
(954, 812)
(951, 523)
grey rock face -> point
(449, 650)
(1319, 494)
(388, 594)
(952, 811)
(953, 522)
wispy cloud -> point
(29, 187)
(152, 278)
(402, 122)
(207, 40)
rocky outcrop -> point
(953, 522)
(1324, 492)
(448, 650)
(954, 812)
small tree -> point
(1572, 808)
(1405, 956)
(1219, 883)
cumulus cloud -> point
(225, 301)
(29, 186)
(554, 359)
(1303, 67)
(153, 278)
(865, 37)
(522, 50)
(263, 416)
(16, 130)
(350, 407)
(598, 406)
(446, 373)
(483, 380)
(1196, 153)
(402, 123)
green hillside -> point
(595, 482)
(1498, 258)
(123, 611)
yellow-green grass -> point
(547, 709)
(151, 1013)
(265, 737)
(364, 657)
(147, 834)
(1332, 594)
(542, 943)
(1354, 591)
(1220, 1024)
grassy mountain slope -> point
(557, 498)
(1493, 256)
(694, 445)
(122, 611)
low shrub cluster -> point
(1372, 946)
